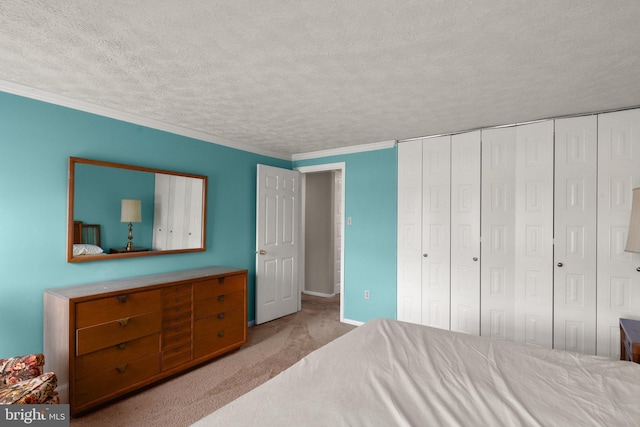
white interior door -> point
(277, 243)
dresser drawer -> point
(176, 356)
(111, 333)
(176, 310)
(177, 319)
(116, 355)
(214, 287)
(176, 346)
(176, 295)
(217, 325)
(211, 306)
(170, 340)
(212, 337)
(115, 379)
(103, 310)
(168, 333)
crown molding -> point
(88, 107)
(345, 150)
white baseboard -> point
(319, 294)
(352, 322)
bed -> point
(86, 239)
(390, 373)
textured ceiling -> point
(297, 77)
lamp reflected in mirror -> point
(131, 212)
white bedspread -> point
(389, 373)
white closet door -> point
(193, 213)
(409, 292)
(465, 233)
(436, 224)
(618, 174)
(161, 212)
(534, 235)
(576, 154)
(176, 221)
(498, 233)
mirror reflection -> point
(118, 210)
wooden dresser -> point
(106, 339)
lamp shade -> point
(131, 211)
(633, 239)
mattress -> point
(390, 373)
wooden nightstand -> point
(630, 340)
(125, 251)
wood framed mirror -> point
(169, 211)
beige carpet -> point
(272, 347)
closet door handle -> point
(425, 255)
(560, 264)
(475, 258)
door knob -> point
(261, 252)
(475, 258)
(560, 264)
(425, 255)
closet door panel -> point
(410, 231)
(533, 277)
(161, 205)
(436, 224)
(193, 214)
(498, 233)
(576, 153)
(618, 173)
(465, 233)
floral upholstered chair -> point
(22, 380)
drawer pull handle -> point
(221, 298)
(220, 315)
(122, 346)
(123, 322)
(122, 368)
(221, 280)
(220, 334)
(122, 298)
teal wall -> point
(370, 241)
(36, 141)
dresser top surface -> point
(96, 288)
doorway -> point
(322, 229)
